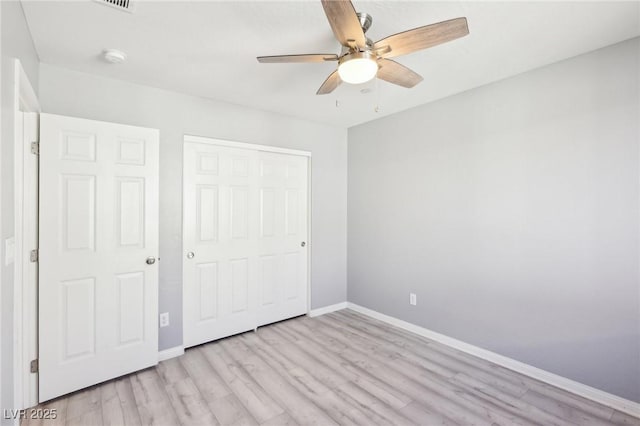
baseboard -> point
(618, 403)
(327, 309)
(174, 352)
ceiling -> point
(209, 49)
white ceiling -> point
(208, 49)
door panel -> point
(98, 224)
(78, 311)
(217, 288)
(129, 212)
(207, 276)
(207, 209)
(130, 310)
(239, 212)
(283, 287)
(245, 216)
(78, 210)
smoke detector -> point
(114, 56)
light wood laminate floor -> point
(340, 368)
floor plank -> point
(419, 352)
(419, 385)
(172, 371)
(255, 399)
(152, 400)
(84, 402)
(188, 404)
(422, 416)
(302, 409)
(340, 368)
(230, 411)
(209, 383)
(119, 404)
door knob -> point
(302, 244)
(191, 255)
(151, 260)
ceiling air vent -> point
(124, 5)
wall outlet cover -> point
(164, 319)
(413, 299)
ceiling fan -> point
(360, 59)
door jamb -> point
(24, 320)
(275, 149)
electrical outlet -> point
(413, 299)
(164, 319)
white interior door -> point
(282, 255)
(98, 292)
(245, 219)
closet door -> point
(245, 219)
(219, 232)
(98, 289)
(282, 237)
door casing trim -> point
(25, 321)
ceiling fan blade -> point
(330, 84)
(344, 22)
(396, 73)
(423, 37)
(297, 58)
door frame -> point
(263, 148)
(25, 317)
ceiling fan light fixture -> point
(357, 68)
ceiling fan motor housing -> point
(365, 21)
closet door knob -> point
(191, 255)
(302, 244)
(151, 260)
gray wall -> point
(82, 95)
(512, 211)
(16, 43)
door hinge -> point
(33, 256)
(34, 366)
(35, 148)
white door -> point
(282, 257)
(245, 234)
(98, 291)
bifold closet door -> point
(98, 288)
(245, 234)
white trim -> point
(24, 317)
(243, 145)
(618, 403)
(174, 352)
(1, 242)
(309, 233)
(327, 309)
